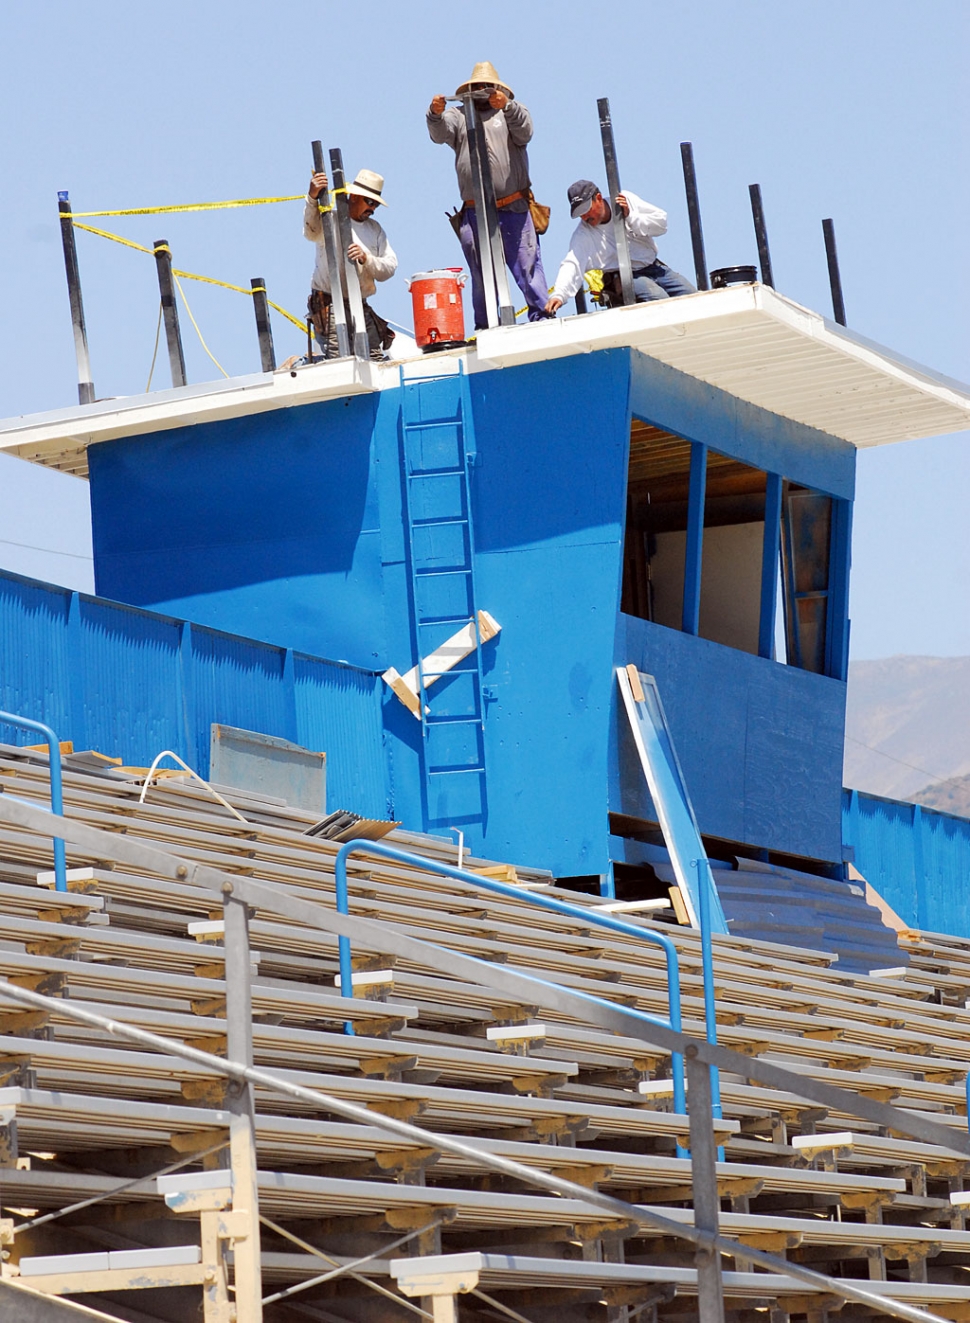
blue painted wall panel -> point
(265, 525)
(130, 683)
(760, 744)
(919, 860)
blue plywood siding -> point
(131, 683)
(919, 860)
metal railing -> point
(57, 786)
(240, 895)
(381, 851)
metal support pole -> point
(581, 301)
(761, 234)
(170, 312)
(707, 1208)
(835, 279)
(57, 786)
(694, 213)
(331, 243)
(267, 354)
(85, 386)
(705, 888)
(351, 277)
(486, 213)
(694, 554)
(478, 197)
(240, 1105)
(613, 188)
(770, 556)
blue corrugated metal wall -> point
(918, 859)
(131, 683)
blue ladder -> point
(438, 444)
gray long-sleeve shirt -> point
(507, 133)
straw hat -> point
(368, 185)
(484, 75)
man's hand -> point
(622, 203)
(553, 305)
(357, 253)
(498, 100)
(318, 183)
(438, 104)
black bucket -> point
(733, 275)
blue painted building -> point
(664, 485)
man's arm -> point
(643, 220)
(570, 276)
(312, 220)
(442, 123)
(519, 123)
(381, 261)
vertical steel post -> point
(267, 354)
(770, 556)
(705, 887)
(478, 197)
(613, 188)
(488, 216)
(331, 243)
(351, 277)
(703, 1167)
(835, 279)
(85, 386)
(240, 1105)
(581, 301)
(761, 234)
(694, 213)
(694, 553)
(170, 312)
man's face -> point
(361, 208)
(598, 211)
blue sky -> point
(855, 110)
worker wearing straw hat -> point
(370, 252)
(508, 131)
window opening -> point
(806, 525)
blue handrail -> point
(589, 916)
(57, 789)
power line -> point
(29, 546)
(902, 761)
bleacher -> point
(127, 1146)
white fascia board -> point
(753, 343)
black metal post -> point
(488, 217)
(351, 276)
(707, 1204)
(694, 214)
(267, 354)
(835, 279)
(613, 188)
(581, 301)
(761, 234)
(331, 242)
(85, 386)
(170, 312)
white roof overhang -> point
(748, 341)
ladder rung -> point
(437, 574)
(432, 422)
(435, 473)
(455, 771)
(452, 721)
(439, 523)
(426, 622)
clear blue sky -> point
(855, 110)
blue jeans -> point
(521, 244)
(659, 282)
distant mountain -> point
(951, 796)
(908, 728)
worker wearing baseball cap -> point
(593, 247)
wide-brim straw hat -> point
(368, 184)
(485, 75)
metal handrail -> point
(544, 902)
(57, 787)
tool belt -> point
(611, 294)
(537, 210)
(501, 202)
(320, 308)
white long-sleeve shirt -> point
(593, 247)
(381, 258)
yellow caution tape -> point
(191, 275)
(594, 279)
(178, 284)
(193, 206)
